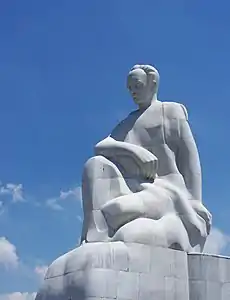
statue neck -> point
(145, 106)
(154, 98)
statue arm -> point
(188, 161)
(118, 150)
(109, 147)
(188, 164)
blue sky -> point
(63, 67)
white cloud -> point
(72, 193)
(40, 271)
(8, 255)
(80, 219)
(1, 208)
(14, 190)
(53, 204)
(10, 261)
(217, 242)
(75, 194)
(18, 296)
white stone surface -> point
(209, 277)
(114, 271)
(144, 184)
(133, 271)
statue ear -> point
(152, 80)
(152, 77)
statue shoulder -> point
(174, 110)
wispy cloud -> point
(72, 194)
(14, 193)
(217, 242)
(18, 296)
(53, 204)
(75, 193)
(13, 190)
(8, 256)
(40, 271)
(80, 219)
(10, 261)
(1, 208)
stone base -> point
(135, 271)
(209, 277)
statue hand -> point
(147, 163)
(203, 213)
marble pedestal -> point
(209, 277)
(135, 271)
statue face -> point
(137, 84)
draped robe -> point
(121, 203)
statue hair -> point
(150, 71)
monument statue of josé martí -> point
(144, 184)
(143, 211)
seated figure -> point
(144, 183)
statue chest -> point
(144, 129)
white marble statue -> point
(144, 183)
(141, 193)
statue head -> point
(142, 82)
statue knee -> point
(95, 163)
(100, 167)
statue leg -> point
(148, 218)
(151, 203)
(102, 181)
(159, 202)
(167, 232)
